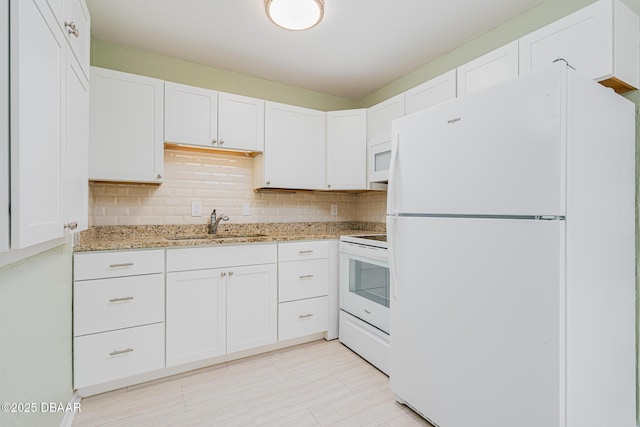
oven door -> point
(365, 283)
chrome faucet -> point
(213, 226)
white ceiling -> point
(360, 46)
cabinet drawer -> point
(108, 304)
(102, 265)
(304, 317)
(303, 250)
(218, 257)
(99, 358)
(303, 279)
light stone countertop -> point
(119, 237)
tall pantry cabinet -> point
(49, 126)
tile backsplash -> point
(225, 183)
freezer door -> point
(499, 151)
(476, 320)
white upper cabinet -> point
(494, 67)
(190, 115)
(204, 117)
(240, 122)
(600, 41)
(379, 118)
(126, 131)
(430, 93)
(347, 150)
(75, 149)
(294, 148)
(38, 65)
(4, 127)
(77, 23)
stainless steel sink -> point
(216, 236)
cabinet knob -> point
(71, 225)
(214, 141)
(231, 273)
(223, 274)
(268, 182)
(159, 176)
(221, 142)
(328, 185)
(72, 29)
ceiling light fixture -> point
(295, 15)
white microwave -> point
(379, 161)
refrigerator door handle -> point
(395, 145)
(392, 214)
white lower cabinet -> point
(252, 307)
(99, 358)
(196, 321)
(303, 282)
(303, 317)
(133, 315)
(220, 300)
(118, 317)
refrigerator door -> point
(494, 152)
(477, 320)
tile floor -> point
(316, 384)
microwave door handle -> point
(392, 215)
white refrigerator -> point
(512, 246)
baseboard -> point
(69, 416)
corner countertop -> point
(119, 237)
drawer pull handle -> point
(120, 299)
(306, 276)
(367, 311)
(305, 316)
(305, 252)
(117, 352)
(124, 264)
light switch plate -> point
(334, 209)
(196, 209)
(246, 209)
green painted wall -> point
(130, 60)
(36, 335)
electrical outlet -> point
(196, 209)
(246, 209)
(334, 209)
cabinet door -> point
(380, 116)
(240, 122)
(294, 147)
(600, 41)
(4, 127)
(37, 75)
(432, 92)
(77, 28)
(195, 319)
(347, 150)
(75, 159)
(126, 132)
(252, 307)
(190, 115)
(494, 67)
